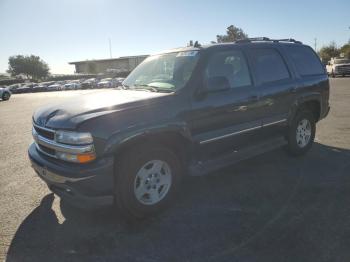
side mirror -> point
(217, 84)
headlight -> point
(73, 138)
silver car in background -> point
(72, 85)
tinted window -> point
(305, 60)
(232, 65)
(269, 65)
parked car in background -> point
(25, 88)
(72, 85)
(105, 83)
(217, 105)
(43, 86)
(110, 82)
(89, 83)
(55, 87)
(13, 88)
(5, 93)
(118, 81)
(40, 87)
(338, 66)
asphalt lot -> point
(270, 208)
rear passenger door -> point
(276, 86)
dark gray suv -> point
(187, 111)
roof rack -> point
(266, 39)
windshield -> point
(342, 61)
(164, 72)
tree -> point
(329, 51)
(232, 34)
(31, 66)
(345, 50)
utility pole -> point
(315, 44)
(110, 48)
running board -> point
(203, 168)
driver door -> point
(226, 120)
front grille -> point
(47, 150)
(45, 132)
(48, 134)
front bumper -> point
(86, 186)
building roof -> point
(108, 59)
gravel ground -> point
(269, 208)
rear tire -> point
(146, 180)
(301, 133)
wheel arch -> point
(177, 138)
(311, 102)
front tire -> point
(301, 133)
(146, 180)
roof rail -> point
(266, 39)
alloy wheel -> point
(303, 133)
(152, 182)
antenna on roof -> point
(110, 48)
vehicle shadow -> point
(270, 208)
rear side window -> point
(305, 60)
(269, 65)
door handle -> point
(241, 109)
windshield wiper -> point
(147, 87)
(125, 86)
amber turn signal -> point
(84, 158)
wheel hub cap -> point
(303, 133)
(152, 182)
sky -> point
(61, 31)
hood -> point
(76, 110)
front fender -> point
(118, 140)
